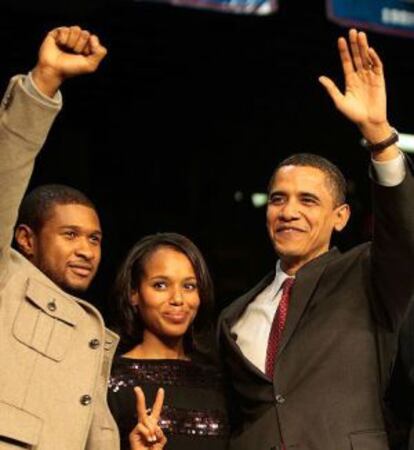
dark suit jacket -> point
(401, 393)
(338, 346)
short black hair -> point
(334, 176)
(37, 206)
(127, 320)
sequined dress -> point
(194, 413)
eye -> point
(276, 199)
(70, 234)
(309, 200)
(191, 286)
(95, 239)
(159, 285)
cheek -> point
(271, 215)
(97, 251)
(149, 316)
(194, 304)
(147, 307)
(53, 258)
(323, 229)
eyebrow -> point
(165, 277)
(309, 194)
(79, 229)
(301, 194)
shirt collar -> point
(280, 277)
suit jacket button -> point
(94, 344)
(280, 399)
(51, 306)
(86, 400)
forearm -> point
(25, 119)
(393, 245)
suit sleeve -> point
(24, 123)
(392, 251)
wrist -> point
(47, 80)
(385, 149)
(376, 133)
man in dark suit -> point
(309, 358)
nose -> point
(176, 297)
(289, 211)
(85, 249)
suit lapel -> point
(306, 282)
(235, 309)
(239, 354)
(233, 312)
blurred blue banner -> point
(254, 7)
(387, 16)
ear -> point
(342, 215)
(134, 297)
(26, 240)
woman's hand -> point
(147, 434)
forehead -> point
(75, 215)
(166, 260)
(301, 179)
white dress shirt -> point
(252, 329)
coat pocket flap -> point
(19, 425)
(54, 303)
(369, 440)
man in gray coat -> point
(55, 353)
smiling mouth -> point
(177, 317)
(288, 230)
(82, 271)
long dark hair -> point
(128, 322)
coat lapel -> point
(306, 282)
(233, 312)
(236, 309)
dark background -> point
(190, 107)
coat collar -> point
(306, 281)
(236, 309)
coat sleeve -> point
(392, 251)
(24, 123)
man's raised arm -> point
(27, 111)
(364, 103)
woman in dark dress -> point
(164, 301)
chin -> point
(75, 288)
(286, 252)
(174, 332)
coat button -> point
(94, 344)
(51, 306)
(86, 400)
(280, 399)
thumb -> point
(331, 89)
(49, 42)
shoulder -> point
(234, 306)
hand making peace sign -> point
(147, 434)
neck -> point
(154, 347)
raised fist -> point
(66, 52)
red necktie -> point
(278, 325)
